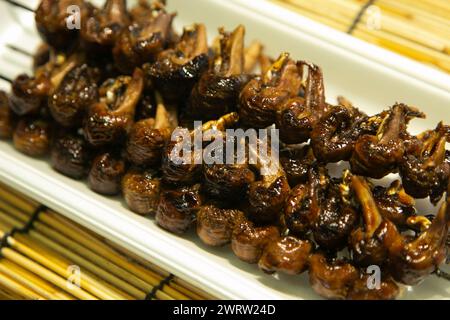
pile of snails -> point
(103, 101)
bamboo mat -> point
(43, 255)
(418, 29)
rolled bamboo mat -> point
(418, 29)
(44, 255)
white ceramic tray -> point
(370, 77)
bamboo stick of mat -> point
(407, 43)
(438, 8)
(29, 279)
(177, 283)
(66, 252)
(8, 295)
(78, 235)
(344, 11)
(43, 241)
(123, 273)
(150, 278)
(101, 272)
(26, 263)
(17, 288)
(61, 266)
(32, 281)
(15, 201)
(410, 14)
(406, 48)
(400, 28)
(44, 273)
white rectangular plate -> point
(370, 77)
